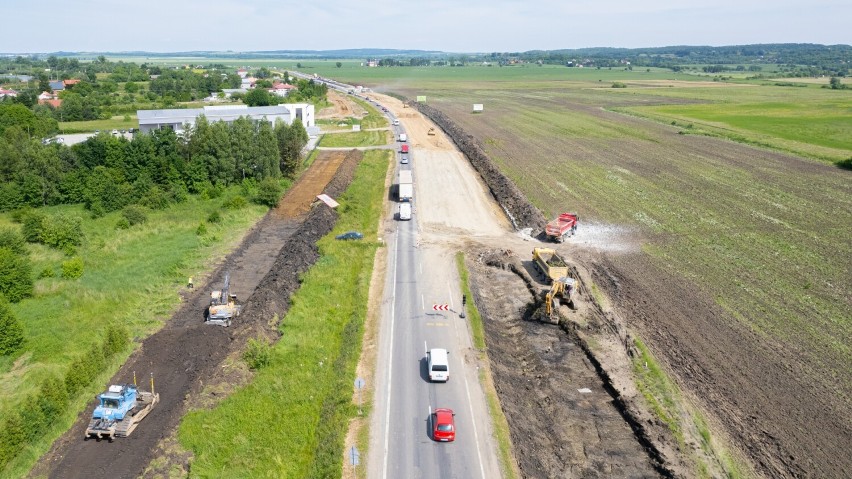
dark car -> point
(443, 425)
(350, 235)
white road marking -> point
(422, 301)
(450, 290)
(390, 359)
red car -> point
(443, 425)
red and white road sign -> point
(441, 307)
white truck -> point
(403, 137)
(406, 186)
(404, 211)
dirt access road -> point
(186, 353)
(539, 372)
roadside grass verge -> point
(355, 138)
(666, 402)
(130, 278)
(508, 464)
(291, 420)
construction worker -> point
(189, 283)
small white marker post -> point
(359, 384)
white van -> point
(438, 365)
(403, 137)
(404, 211)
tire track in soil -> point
(186, 351)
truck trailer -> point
(406, 185)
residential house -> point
(57, 85)
(281, 89)
(8, 93)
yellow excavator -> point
(561, 288)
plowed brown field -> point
(731, 262)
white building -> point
(181, 120)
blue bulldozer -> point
(119, 411)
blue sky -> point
(449, 25)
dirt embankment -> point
(520, 211)
(187, 352)
(566, 417)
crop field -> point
(297, 408)
(763, 235)
(130, 277)
(773, 227)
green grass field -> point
(290, 421)
(115, 123)
(130, 276)
(355, 138)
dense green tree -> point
(11, 331)
(243, 147)
(267, 152)
(16, 281)
(268, 192)
(338, 64)
(291, 140)
(13, 240)
(16, 115)
(258, 97)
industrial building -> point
(182, 119)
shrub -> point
(16, 281)
(72, 268)
(155, 198)
(12, 437)
(618, 84)
(235, 203)
(258, 354)
(268, 192)
(84, 369)
(19, 214)
(122, 224)
(32, 224)
(214, 217)
(97, 209)
(134, 214)
(116, 339)
(10, 238)
(47, 272)
(201, 230)
(52, 398)
(61, 231)
(11, 331)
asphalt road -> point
(401, 444)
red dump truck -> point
(564, 226)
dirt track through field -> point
(187, 351)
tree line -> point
(107, 173)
